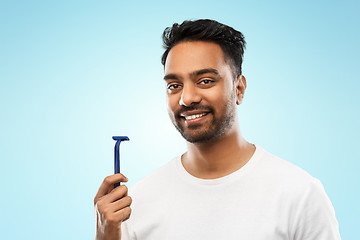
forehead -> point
(189, 56)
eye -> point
(172, 88)
(206, 83)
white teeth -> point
(194, 116)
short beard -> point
(219, 126)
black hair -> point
(231, 41)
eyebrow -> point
(204, 71)
(193, 74)
(171, 76)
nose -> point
(189, 96)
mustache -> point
(183, 109)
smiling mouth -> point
(192, 117)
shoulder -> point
(284, 180)
(282, 172)
(304, 192)
(312, 211)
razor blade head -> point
(120, 138)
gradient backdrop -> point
(75, 73)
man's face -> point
(200, 91)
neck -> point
(219, 157)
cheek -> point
(172, 104)
(221, 100)
(218, 97)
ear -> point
(240, 86)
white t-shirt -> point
(268, 198)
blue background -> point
(75, 73)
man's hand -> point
(112, 207)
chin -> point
(203, 137)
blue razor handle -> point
(118, 140)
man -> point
(223, 187)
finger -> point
(111, 188)
(106, 200)
(108, 184)
(121, 203)
(123, 214)
(117, 193)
